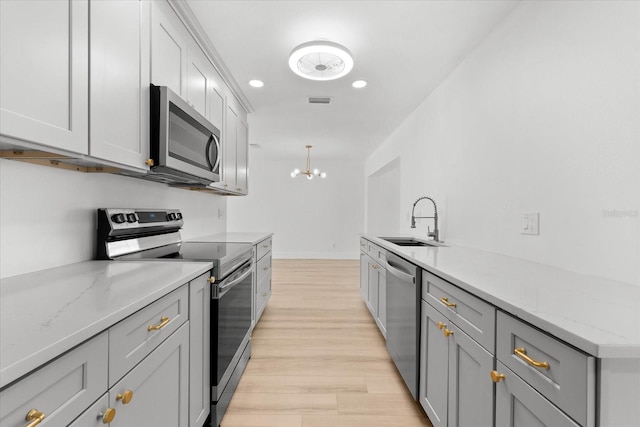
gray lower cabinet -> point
(199, 350)
(263, 265)
(455, 388)
(373, 283)
(156, 392)
(519, 405)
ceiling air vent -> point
(319, 100)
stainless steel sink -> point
(408, 241)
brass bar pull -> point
(496, 377)
(266, 268)
(441, 325)
(446, 302)
(163, 322)
(125, 397)
(447, 332)
(35, 417)
(522, 354)
(107, 416)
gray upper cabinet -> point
(44, 97)
(169, 45)
(119, 89)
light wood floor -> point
(318, 359)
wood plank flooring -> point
(318, 358)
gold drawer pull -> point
(447, 332)
(446, 302)
(522, 354)
(496, 377)
(441, 325)
(163, 322)
(266, 268)
(265, 246)
(35, 417)
(125, 397)
(107, 416)
(149, 162)
(211, 280)
(375, 267)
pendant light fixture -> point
(308, 173)
(321, 60)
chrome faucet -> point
(435, 233)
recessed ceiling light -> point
(359, 84)
(256, 83)
(321, 60)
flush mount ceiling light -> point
(308, 173)
(256, 83)
(359, 84)
(321, 60)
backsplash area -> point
(48, 215)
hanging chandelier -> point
(309, 173)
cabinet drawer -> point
(131, 340)
(263, 268)
(62, 389)
(474, 316)
(376, 252)
(264, 247)
(363, 245)
(517, 404)
(568, 377)
(263, 291)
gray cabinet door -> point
(470, 386)
(364, 276)
(382, 298)
(199, 353)
(519, 405)
(373, 286)
(434, 366)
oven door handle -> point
(225, 288)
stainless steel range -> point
(145, 234)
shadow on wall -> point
(383, 199)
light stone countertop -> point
(597, 315)
(234, 237)
(46, 313)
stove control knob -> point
(171, 216)
(131, 217)
(178, 215)
(118, 218)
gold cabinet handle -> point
(35, 417)
(375, 267)
(496, 377)
(521, 352)
(149, 162)
(447, 332)
(125, 397)
(107, 416)
(441, 325)
(163, 322)
(446, 302)
(226, 185)
(266, 268)
(265, 246)
(211, 280)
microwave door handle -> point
(206, 152)
(217, 141)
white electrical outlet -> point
(531, 224)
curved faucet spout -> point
(435, 233)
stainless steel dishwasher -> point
(403, 318)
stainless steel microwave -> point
(185, 146)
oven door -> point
(231, 324)
(186, 141)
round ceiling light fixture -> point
(321, 60)
(256, 83)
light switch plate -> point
(531, 224)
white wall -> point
(321, 218)
(47, 215)
(543, 116)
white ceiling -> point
(404, 49)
